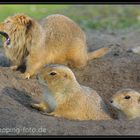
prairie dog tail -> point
(98, 53)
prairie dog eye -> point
(52, 73)
(127, 97)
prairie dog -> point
(58, 41)
(65, 97)
(127, 102)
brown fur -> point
(127, 108)
(59, 41)
(65, 97)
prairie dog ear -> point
(66, 75)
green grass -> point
(106, 17)
(100, 17)
(36, 11)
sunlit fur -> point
(129, 108)
(59, 40)
(66, 98)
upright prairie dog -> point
(127, 102)
(65, 97)
(58, 41)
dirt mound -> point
(118, 69)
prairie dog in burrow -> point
(127, 103)
(65, 97)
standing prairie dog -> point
(58, 41)
(127, 102)
(65, 97)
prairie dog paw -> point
(26, 75)
(36, 106)
(40, 107)
(14, 68)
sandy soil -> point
(118, 69)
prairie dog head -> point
(56, 77)
(127, 101)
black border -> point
(115, 136)
(70, 2)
